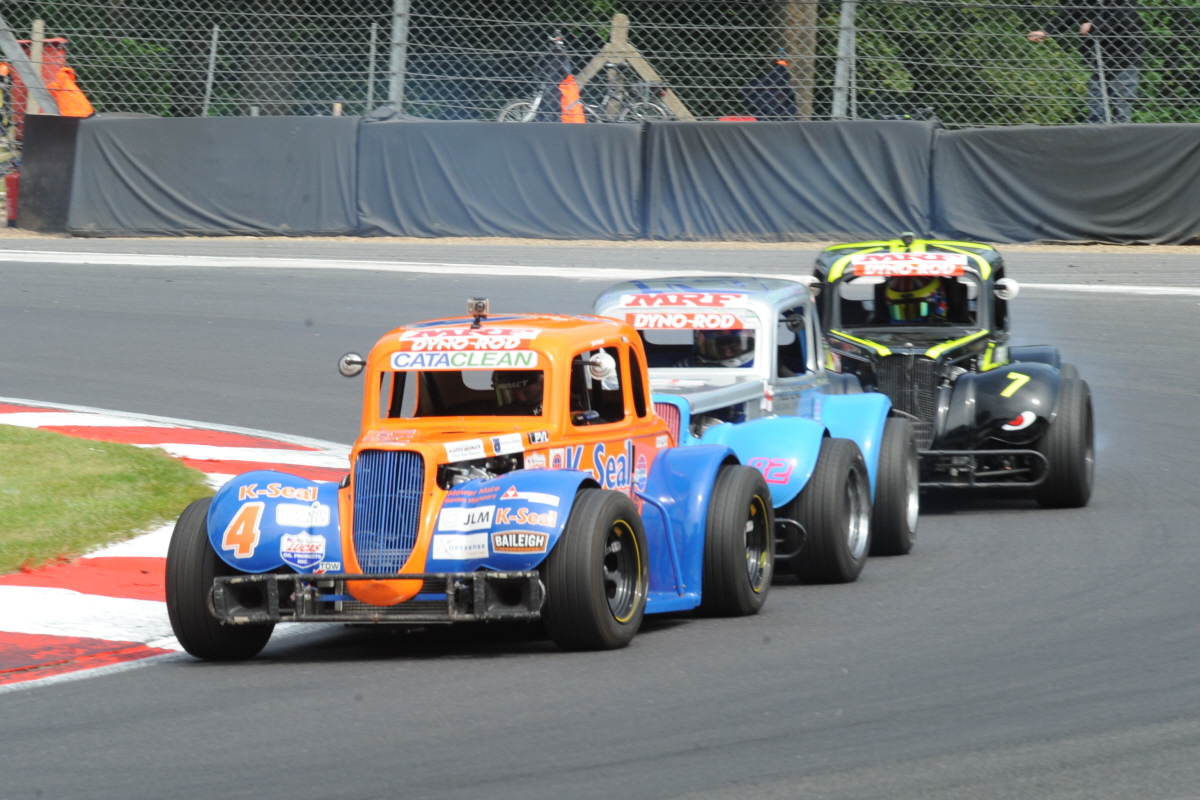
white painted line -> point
(262, 455)
(62, 612)
(43, 419)
(1099, 288)
(144, 419)
(149, 545)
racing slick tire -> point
(739, 544)
(1069, 449)
(1068, 371)
(192, 564)
(897, 491)
(597, 575)
(835, 509)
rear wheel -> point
(1068, 448)
(739, 546)
(835, 509)
(644, 111)
(597, 575)
(1068, 371)
(192, 564)
(516, 111)
(897, 491)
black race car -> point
(926, 323)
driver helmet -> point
(915, 299)
(725, 348)
(520, 388)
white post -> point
(212, 68)
(845, 61)
(399, 54)
(36, 47)
(371, 68)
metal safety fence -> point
(965, 62)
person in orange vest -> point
(72, 102)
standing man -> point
(1111, 42)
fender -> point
(679, 485)
(859, 417)
(265, 520)
(1014, 404)
(508, 524)
(1035, 353)
(783, 449)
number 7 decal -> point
(1018, 380)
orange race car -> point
(509, 469)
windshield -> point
(908, 302)
(406, 394)
(705, 348)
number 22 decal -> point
(774, 470)
(243, 534)
(1018, 379)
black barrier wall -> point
(787, 180)
(47, 161)
(675, 181)
(218, 175)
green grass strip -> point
(61, 496)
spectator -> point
(1115, 24)
(770, 96)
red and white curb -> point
(107, 610)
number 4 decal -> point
(243, 534)
(1018, 380)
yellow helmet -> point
(915, 299)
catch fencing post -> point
(36, 39)
(1103, 82)
(844, 71)
(371, 67)
(399, 54)
(212, 68)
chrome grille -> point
(910, 382)
(670, 414)
(387, 508)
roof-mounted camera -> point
(477, 307)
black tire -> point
(897, 491)
(1068, 371)
(192, 564)
(835, 509)
(739, 544)
(1069, 448)
(595, 594)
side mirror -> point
(812, 282)
(351, 365)
(602, 366)
(1007, 289)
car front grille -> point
(910, 382)
(670, 414)
(388, 486)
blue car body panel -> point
(859, 417)
(783, 449)
(264, 520)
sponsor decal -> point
(519, 542)
(509, 359)
(535, 460)
(566, 457)
(523, 516)
(612, 471)
(774, 470)
(915, 265)
(328, 566)
(639, 473)
(473, 518)
(662, 441)
(459, 547)
(397, 437)
(538, 437)
(683, 300)
(251, 492)
(302, 550)
(508, 443)
(684, 320)
(1022, 422)
(243, 534)
(532, 497)
(297, 516)
(464, 451)
(439, 339)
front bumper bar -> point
(978, 469)
(444, 597)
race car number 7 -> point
(1018, 380)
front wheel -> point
(835, 509)
(597, 575)
(1068, 447)
(739, 544)
(192, 564)
(897, 491)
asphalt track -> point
(1016, 653)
